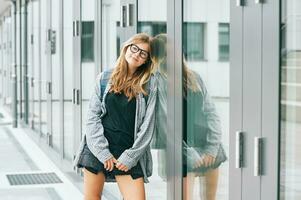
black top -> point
(119, 122)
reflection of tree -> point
(202, 149)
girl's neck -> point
(131, 71)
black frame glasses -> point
(134, 49)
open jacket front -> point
(144, 126)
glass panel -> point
(224, 39)
(36, 65)
(22, 69)
(194, 38)
(55, 73)
(68, 69)
(43, 71)
(29, 53)
(88, 69)
(205, 100)
(110, 36)
(290, 164)
(152, 20)
(6, 59)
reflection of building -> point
(49, 60)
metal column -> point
(14, 75)
(25, 75)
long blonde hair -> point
(119, 78)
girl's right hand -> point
(109, 164)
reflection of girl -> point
(120, 124)
(202, 149)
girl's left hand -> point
(121, 167)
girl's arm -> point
(96, 140)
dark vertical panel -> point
(236, 104)
(270, 97)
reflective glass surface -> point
(290, 120)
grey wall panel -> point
(178, 102)
(236, 84)
(252, 81)
(171, 101)
(270, 97)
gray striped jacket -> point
(144, 127)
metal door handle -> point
(129, 14)
(239, 3)
(73, 96)
(77, 28)
(49, 87)
(123, 16)
(73, 29)
(239, 149)
(258, 147)
(258, 1)
(77, 97)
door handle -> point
(258, 148)
(129, 14)
(239, 3)
(77, 97)
(73, 95)
(123, 16)
(258, 1)
(239, 149)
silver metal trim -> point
(258, 156)
(239, 149)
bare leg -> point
(93, 185)
(188, 185)
(211, 181)
(131, 189)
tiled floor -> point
(19, 154)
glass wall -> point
(110, 33)
(68, 72)
(205, 99)
(6, 58)
(110, 45)
(43, 74)
(152, 20)
(290, 120)
(88, 69)
(30, 52)
(36, 64)
(55, 72)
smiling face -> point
(136, 55)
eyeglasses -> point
(134, 49)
